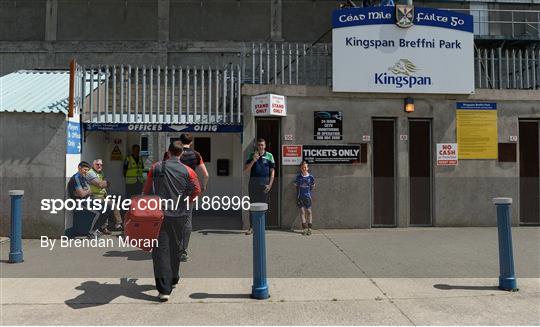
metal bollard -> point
(507, 278)
(15, 243)
(259, 290)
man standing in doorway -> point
(98, 186)
(193, 160)
(171, 179)
(78, 189)
(133, 172)
(262, 166)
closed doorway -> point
(529, 168)
(420, 172)
(384, 173)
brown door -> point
(384, 173)
(420, 172)
(268, 129)
(529, 167)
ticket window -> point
(144, 145)
(203, 145)
(199, 144)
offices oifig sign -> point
(402, 50)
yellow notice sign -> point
(476, 132)
(116, 154)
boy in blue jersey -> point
(304, 185)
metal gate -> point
(185, 95)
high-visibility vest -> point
(97, 191)
(134, 172)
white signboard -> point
(447, 154)
(268, 105)
(371, 53)
(291, 155)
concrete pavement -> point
(415, 276)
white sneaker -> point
(163, 297)
(95, 234)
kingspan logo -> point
(402, 75)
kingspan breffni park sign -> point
(423, 51)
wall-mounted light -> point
(409, 104)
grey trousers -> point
(187, 227)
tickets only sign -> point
(332, 154)
(447, 154)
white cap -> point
(502, 200)
(16, 192)
(258, 207)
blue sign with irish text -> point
(387, 15)
(477, 105)
(73, 138)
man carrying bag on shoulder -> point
(171, 180)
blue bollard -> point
(259, 290)
(507, 278)
(15, 242)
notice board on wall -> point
(74, 135)
(291, 155)
(328, 125)
(447, 154)
(476, 125)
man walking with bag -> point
(171, 179)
